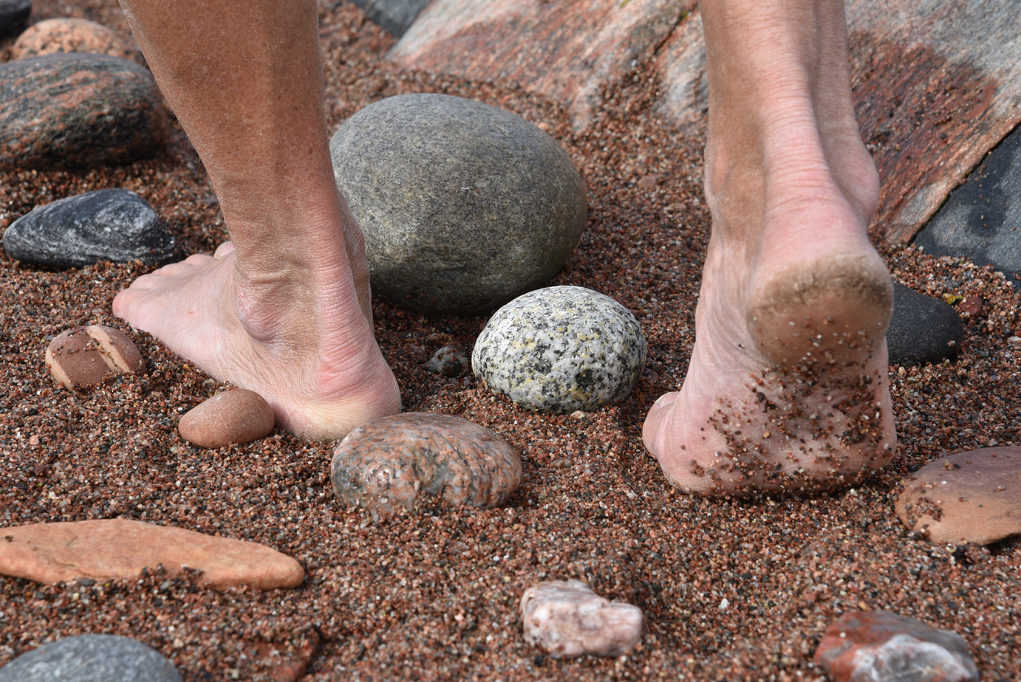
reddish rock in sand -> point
(54, 36)
(89, 355)
(877, 645)
(972, 496)
(568, 619)
(397, 462)
(121, 548)
(234, 416)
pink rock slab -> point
(567, 619)
(973, 496)
(121, 548)
(862, 646)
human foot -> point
(305, 346)
(787, 388)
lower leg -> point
(787, 386)
(285, 310)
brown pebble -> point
(53, 36)
(120, 548)
(394, 462)
(89, 355)
(973, 496)
(234, 416)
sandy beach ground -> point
(730, 589)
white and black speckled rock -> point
(449, 361)
(561, 349)
(401, 461)
(109, 224)
(91, 658)
(464, 206)
(922, 328)
(13, 16)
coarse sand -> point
(730, 589)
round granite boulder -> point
(78, 110)
(55, 36)
(463, 205)
(561, 349)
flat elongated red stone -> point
(121, 548)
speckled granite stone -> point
(56, 36)
(463, 205)
(863, 646)
(561, 349)
(402, 461)
(78, 110)
(567, 619)
(13, 16)
(91, 658)
(109, 224)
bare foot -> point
(787, 388)
(305, 346)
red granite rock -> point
(407, 460)
(90, 355)
(54, 36)
(877, 645)
(121, 548)
(234, 416)
(972, 496)
(78, 110)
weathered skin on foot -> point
(787, 388)
(318, 366)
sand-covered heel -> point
(833, 311)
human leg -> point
(283, 309)
(787, 387)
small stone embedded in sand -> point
(879, 645)
(922, 328)
(78, 110)
(449, 361)
(91, 658)
(561, 349)
(402, 461)
(234, 416)
(108, 224)
(121, 548)
(567, 619)
(973, 496)
(463, 205)
(55, 36)
(89, 355)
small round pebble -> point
(89, 355)
(972, 496)
(91, 658)
(53, 36)
(449, 361)
(234, 416)
(399, 461)
(568, 619)
(561, 349)
(922, 329)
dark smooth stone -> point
(14, 16)
(981, 220)
(78, 110)
(922, 329)
(107, 225)
(395, 16)
(91, 658)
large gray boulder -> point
(464, 206)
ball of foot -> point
(400, 461)
(463, 205)
(90, 355)
(234, 416)
(561, 349)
